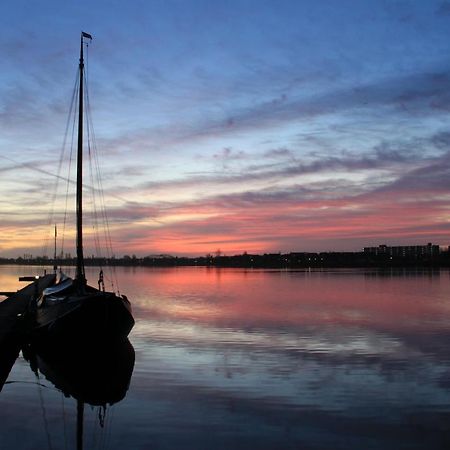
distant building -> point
(405, 251)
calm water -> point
(242, 359)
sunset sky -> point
(258, 126)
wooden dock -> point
(10, 311)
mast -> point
(80, 275)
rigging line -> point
(44, 414)
(98, 172)
(29, 166)
(86, 66)
(28, 382)
(87, 428)
(88, 130)
(93, 197)
(95, 218)
(95, 158)
(69, 182)
(95, 441)
(61, 158)
(101, 428)
(64, 420)
(33, 168)
(109, 424)
(96, 234)
(104, 427)
(106, 228)
(95, 225)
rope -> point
(99, 205)
(94, 439)
(109, 425)
(64, 420)
(69, 171)
(105, 428)
(51, 213)
(93, 196)
(44, 414)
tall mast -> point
(80, 276)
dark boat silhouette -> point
(71, 309)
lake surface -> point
(258, 359)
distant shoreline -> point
(269, 261)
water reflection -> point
(97, 376)
(9, 352)
(239, 359)
(247, 300)
(330, 359)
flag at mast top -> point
(86, 35)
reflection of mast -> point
(80, 417)
(98, 375)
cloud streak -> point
(292, 131)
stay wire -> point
(69, 172)
(44, 415)
(92, 191)
(105, 221)
(95, 222)
(89, 128)
(64, 420)
(109, 425)
(94, 440)
(51, 213)
(99, 186)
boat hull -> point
(95, 316)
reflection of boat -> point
(8, 355)
(97, 376)
(70, 309)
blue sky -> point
(240, 125)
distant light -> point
(36, 277)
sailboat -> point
(71, 309)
